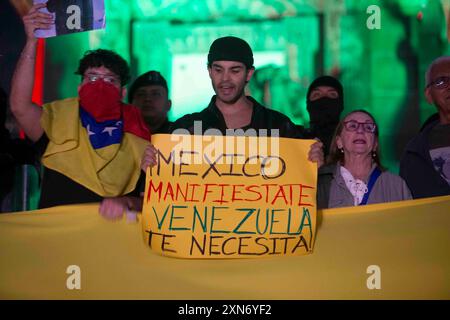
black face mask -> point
(324, 111)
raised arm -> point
(28, 114)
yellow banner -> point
(230, 197)
(71, 252)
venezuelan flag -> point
(104, 158)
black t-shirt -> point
(57, 189)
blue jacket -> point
(416, 167)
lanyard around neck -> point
(373, 178)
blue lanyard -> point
(373, 178)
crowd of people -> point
(96, 148)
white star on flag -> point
(109, 130)
(90, 133)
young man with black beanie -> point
(230, 67)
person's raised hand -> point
(35, 19)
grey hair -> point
(433, 65)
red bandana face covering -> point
(101, 100)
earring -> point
(341, 150)
(374, 154)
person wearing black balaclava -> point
(325, 103)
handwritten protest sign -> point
(230, 197)
(72, 16)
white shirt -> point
(356, 187)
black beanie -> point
(150, 78)
(231, 49)
(328, 81)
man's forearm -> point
(26, 113)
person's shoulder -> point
(430, 122)
(59, 112)
(417, 142)
(187, 118)
(280, 120)
(61, 103)
(69, 100)
(396, 184)
(305, 133)
(392, 177)
(187, 121)
(275, 114)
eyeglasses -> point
(92, 77)
(353, 125)
(440, 83)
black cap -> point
(231, 49)
(327, 81)
(150, 78)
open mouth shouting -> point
(226, 88)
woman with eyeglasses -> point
(353, 174)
